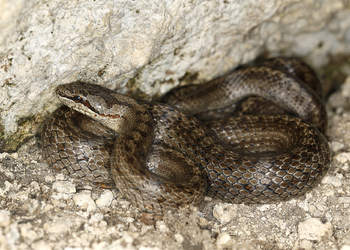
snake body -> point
(161, 157)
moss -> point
(189, 78)
(27, 128)
(335, 73)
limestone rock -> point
(144, 48)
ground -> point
(43, 209)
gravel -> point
(43, 209)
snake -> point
(163, 156)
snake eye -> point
(77, 98)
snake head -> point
(97, 102)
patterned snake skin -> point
(161, 157)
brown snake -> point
(158, 152)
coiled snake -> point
(161, 157)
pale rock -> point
(35, 186)
(64, 187)
(31, 206)
(161, 226)
(12, 236)
(306, 245)
(124, 243)
(96, 218)
(85, 201)
(179, 238)
(3, 155)
(105, 199)
(5, 218)
(336, 146)
(60, 177)
(8, 187)
(342, 157)
(345, 247)
(223, 240)
(345, 88)
(225, 212)
(336, 181)
(50, 178)
(22, 195)
(264, 207)
(14, 155)
(27, 232)
(314, 229)
(57, 227)
(41, 245)
(304, 205)
(345, 200)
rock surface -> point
(144, 48)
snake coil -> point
(160, 156)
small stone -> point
(12, 236)
(306, 244)
(41, 245)
(57, 227)
(8, 187)
(264, 207)
(179, 238)
(225, 212)
(64, 187)
(5, 218)
(345, 200)
(160, 225)
(336, 181)
(336, 146)
(14, 155)
(345, 247)
(125, 242)
(223, 240)
(28, 232)
(35, 186)
(345, 88)
(304, 205)
(105, 199)
(22, 195)
(96, 218)
(342, 157)
(314, 229)
(49, 178)
(85, 201)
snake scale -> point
(161, 156)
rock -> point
(96, 218)
(161, 226)
(314, 229)
(85, 201)
(42, 245)
(105, 199)
(5, 218)
(179, 238)
(342, 157)
(125, 242)
(57, 227)
(64, 187)
(306, 245)
(225, 212)
(223, 240)
(12, 236)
